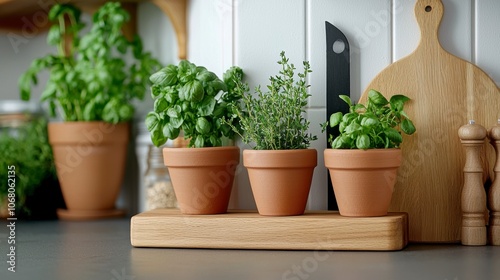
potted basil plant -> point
(191, 101)
(280, 165)
(92, 84)
(366, 155)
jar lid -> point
(8, 107)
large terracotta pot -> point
(90, 160)
(363, 180)
(202, 178)
(280, 180)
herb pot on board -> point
(280, 179)
(363, 180)
(202, 178)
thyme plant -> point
(274, 119)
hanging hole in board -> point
(338, 46)
(428, 8)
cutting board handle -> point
(429, 14)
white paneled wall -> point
(251, 34)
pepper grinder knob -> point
(494, 192)
(473, 137)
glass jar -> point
(15, 114)
(159, 190)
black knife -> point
(337, 83)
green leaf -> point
(89, 111)
(369, 122)
(377, 98)
(176, 122)
(152, 121)
(337, 143)
(408, 127)
(363, 142)
(160, 105)
(191, 91)
(335, 119)
(126, 112)
(54, 35)
(353, 127)
(358, 107)
(165, 77)
(397, 102)
(393, 135)
(174, 112)
(346, 99)
(170, 132)
(206, 107)
(203, 126)
(199, 142)
(206, 76)
(49, 92)
(158, 138)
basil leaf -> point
(199, 142)
(346, 99)
(206, 107)
(192, 91)
(158, 138)
(408, 127)
(203, 126)
(335, 119)
(363, 142)
(377, 98)
(152, 121)
(170, 132)
(393, 135)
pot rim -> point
(85, 133)
(363, 159)
(298, 158)
(206, 156)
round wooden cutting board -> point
(446, 92)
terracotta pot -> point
(90, 161)
(202, 178)
(363, 180)
(280, 180)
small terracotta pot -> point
(280, 180)
(363, 180)
(90, 161)
(202, 178)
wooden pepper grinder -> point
(494, 192)
(472, 137)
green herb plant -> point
(29, 151)
(90, 79)
(192, 99)
(274, 120)
(376, 125)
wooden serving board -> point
(446, 92)
(249, 230)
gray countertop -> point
(102, 250)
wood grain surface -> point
(249, 230)
(446, 92)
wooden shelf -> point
(321, 230)
(29, 17)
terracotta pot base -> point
(81, 215)
(202, 178)
(363, 181)
(90, 160)
(280, 180)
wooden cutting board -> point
(319, 230)
(446, 92)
